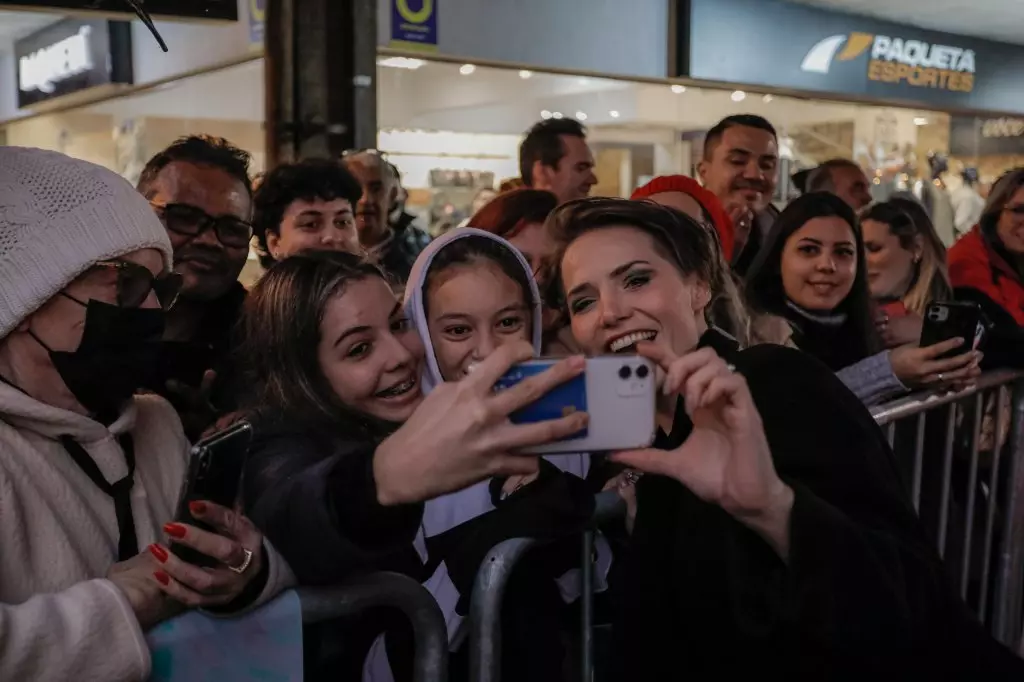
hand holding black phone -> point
(953, 319)
(214, 475)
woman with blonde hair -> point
(906, 268)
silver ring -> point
(731, 367)
(632, 477)
(245, 562)
(939, 375)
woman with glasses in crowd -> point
(987, 267)
(773, 534)
(813, 272)
(906, 269)
(346, 446)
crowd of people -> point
(768, 527)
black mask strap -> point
(120, 491)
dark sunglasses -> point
(190, 221)
(134, 282)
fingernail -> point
(175, 530)
(578, 361)
(197, 508)
(162, 578)
(159, 552)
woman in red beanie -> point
(686, 195)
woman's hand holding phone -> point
(726, 459)
(461, 433)
(237, 546)
(925, 367)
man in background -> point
(555, 157)
(395, 245)
(845, 179)
(201, 191)
(740, 166)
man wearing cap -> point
(89, 472)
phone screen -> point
(561, 401)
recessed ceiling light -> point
(678, 89)
(467, 69)
(920, 121)
(401, 62)
(738, 96)
(524, 74)
(556, 114)
(767, 99)
(545, 114)
(581, 116)
(613, 113)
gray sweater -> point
(872, 379)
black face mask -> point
(118, 353)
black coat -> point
(863, 595)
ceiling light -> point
(545, 114)
(613, 113)
(584, 81)
(920, 121)
(467, 69)
(678, 89)
(767, 99)
(738, 96)
(581, 116)
(401, 62)
(524, 74)
(556, 114)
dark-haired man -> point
(201, 190)
(555, 157)
(845, 179)
(306, 205)
(740, 165)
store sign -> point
(414, 24)
(71, 56)
(974, 136)
(215, 10)
(806, 48)
(257, 11)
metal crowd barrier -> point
(994, 488)
(430, 658)
(489, 591)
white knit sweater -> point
(59, 619)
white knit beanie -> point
(58, 217)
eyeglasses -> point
(190, 221)
(134, 282)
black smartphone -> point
(949, 320)
(214, 474)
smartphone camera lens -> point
(642, 372)
(625, 372)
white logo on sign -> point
(42, 69)
(819, 58)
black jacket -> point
(863, 596)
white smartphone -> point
(617, 391)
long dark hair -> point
(682, 240)
(280, 332)
(765, 292)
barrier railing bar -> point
(1009, 574)
(485, 608)
(430, 658)
(993, 496)
(587, 607)
(972, 480)
(890, 434)
(920, 402)
(918, 458)
(947, 474)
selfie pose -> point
(773, 534)
(812, 271)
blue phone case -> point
(561, 401)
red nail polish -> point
(162, 578)
(197, 508)
(175, 530)
(159, 552)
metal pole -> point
(972, 482)
(1008, 588)
(947, 471)
(587, 607)
(993, 499)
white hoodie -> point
(59, 618)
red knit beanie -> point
(708, 201)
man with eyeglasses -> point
(201, 190)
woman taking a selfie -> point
(906, 268)
(812, 271)
(346, 447)
(774, 534)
